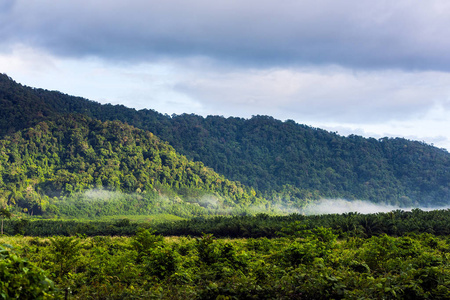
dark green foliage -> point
(288, 161)
(395, 223)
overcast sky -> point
(373, 68)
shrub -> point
(20, 279)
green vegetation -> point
(285, 162)
(93, 204)
(4, 213)
(20, 279)
(69, 155)
(395, 223)
(303, 264)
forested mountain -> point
(282, 160)
(74, 153)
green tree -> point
(5, 214)
(144, 242)
(65, 252)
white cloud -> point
(25, 61)
(332, 93)
(138, 86)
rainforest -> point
(108, 202)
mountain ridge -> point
(282, 160)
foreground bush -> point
(21, 279)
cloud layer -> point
(341, 206)
(350, 33)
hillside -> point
(72, 154)
(285, 161)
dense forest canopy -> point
(74, 153)
(283, 161)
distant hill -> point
(74, 153)
(285, 161)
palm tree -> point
(371, 225)
(4, 213)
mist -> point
(101, 195)
(340, 206)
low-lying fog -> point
(340, 206)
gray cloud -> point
(352, 33)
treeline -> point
(395, 223)
(71, 154)
(282, 160)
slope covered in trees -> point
(71, 154)
(283, 160)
